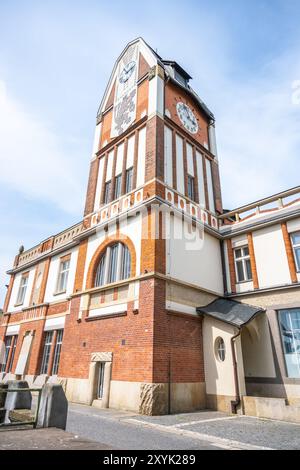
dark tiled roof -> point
(230, 311)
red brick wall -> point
(132, 361)
(173, 95)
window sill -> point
(60, 292)
(104, 317)
(244, 282)
(19, 305)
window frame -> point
(113, 266)
(296, 246)
(107, 193)
(22, 288)
(62, 260)
(191, 187)
(243, 259)
(57, 351)
(118, 185)
(283, 348)
(129, 178)
(47, 346)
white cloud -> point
(33, 160)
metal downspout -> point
(235, 403)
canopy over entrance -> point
(230, 311)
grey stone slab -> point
(17, 400)
(53, 409)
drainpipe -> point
(235, 403)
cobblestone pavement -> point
(201, 430)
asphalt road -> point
(201, 430)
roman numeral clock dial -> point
(187, 117)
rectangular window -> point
(63, 273)
(22, 289)
(100, 380)
(296, 247)
(129, 175)
(107, 192)
(14, 346)
(57, 350)
(99, 279)
(242, 264)
(191, 187)
(112, 275)
(118, 181)
(46, 352)
(289, 321)
(7, 344)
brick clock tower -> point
(121, 288)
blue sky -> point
(56, 58)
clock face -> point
(127, 71)
(187, 117)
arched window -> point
(114, 265)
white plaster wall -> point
(201, 190)
(179, 164)
(53, 273)
(257, 349)
(156, 96)
(270, 255)
(15, 290)
(110, 160)
(99, 183)
(293, 225)
(190, 161)
(130, 152)
(201, 266)
(219, 376)
(211, 198)
(140, 178)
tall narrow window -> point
(46, 352)
(22, 289)
(13, 352)
(289, 321)
(63, 273)
(296, 247)
(7, 344)
(100, 380)
(118, 181)
(57, 350)
(107, 192)
(112, 273)
(242, 264)
(126, 263)
(191, 187)
(99, 279)
(129, 175)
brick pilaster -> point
(253, 261)
(289, 252)
(231, 266)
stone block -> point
(53, 409)
(2, 395)
(40, 381)
(8, 377)
(17, 400)
(154, 399)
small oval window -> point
(220, 350)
